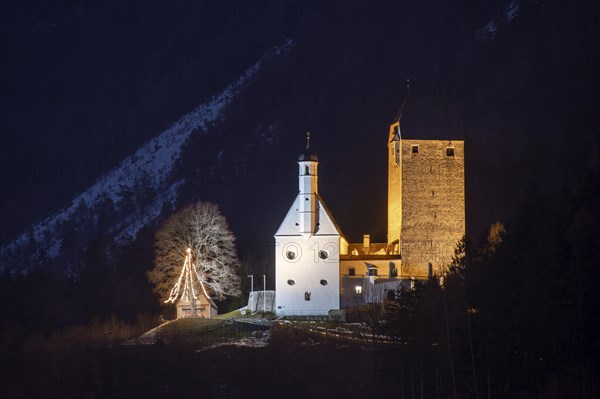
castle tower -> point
(433, 204)
(307, 250)
(426, 199)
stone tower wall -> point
(433, 205)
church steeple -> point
(308, 189)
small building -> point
(368, 273)
(205, 307)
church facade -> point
(307, 249)
(318, 270)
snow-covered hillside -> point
(154, 162)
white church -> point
(317, 270)
(307, 249)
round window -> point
(323, 254)
(291, 252)
(291, 282)
(324, 282)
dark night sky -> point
(84, 84)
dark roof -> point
(428, 116)
(307, 155)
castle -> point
(318, 270)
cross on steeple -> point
(308, 155)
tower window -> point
(352, 272)
(415, 149)
(306, 171)
(449, 152)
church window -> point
(290, 255)
(324, 282)
(307, 296)
(291, 282)
(323, 254)
(415, 149)
(306, 171)
(449, 152)
(358, 289)
(352, 272)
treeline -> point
(517, 312)
(98, 280)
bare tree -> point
(202, 228)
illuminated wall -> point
(394, 189)
(307, 251)
(204, 308)
(432, 204)
(368, 279)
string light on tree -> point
(199, 235)
(190, 278)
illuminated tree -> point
(210, 265)
(495, 236)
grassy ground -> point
(237, 314)
(200, 333)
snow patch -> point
(155, 160)
(489, 30)
(249, 342)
